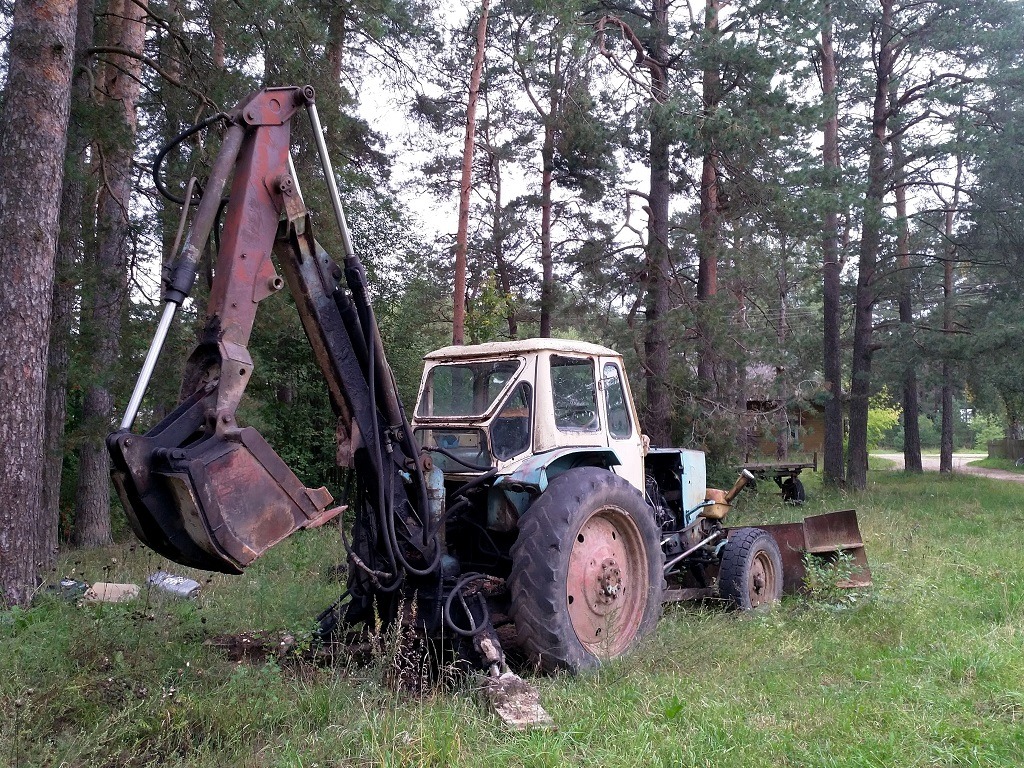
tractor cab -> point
(496, 405)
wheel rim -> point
(607, 582)
(761, 580)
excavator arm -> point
(204, 491)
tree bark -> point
(870, 242)
(911, 407)
(337, 37)
(832, 460)
(708, 239)
(781, 372)
(218, 32)
(658, 412)
(949, 259)
(107, 301)
(64, 288)
(547, 260)
(501, 266)
(462, 238)
(33, 136)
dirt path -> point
(960, 464)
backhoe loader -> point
(521, 504)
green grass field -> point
(927, 669)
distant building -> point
(780, 423)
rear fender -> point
(530, 479)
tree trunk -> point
(911, 407)
(64, 287)
(870, 242)
(501, 265)
(658, 413)
(33, 135)
(832, 460)
(337, 30)
(106, 304)
(949, 259)
(462, 239)
(218, 31)
(782, 372)
(708, 239)
(547, 284)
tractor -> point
(521, 504)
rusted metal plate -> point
(516, 702)
(790, 538)
(832, 531)
(822, 536)
(247, 498)
(828, 535)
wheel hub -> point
(759, 579)
(609, 580)
(605, 583)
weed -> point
(826, 580)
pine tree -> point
(33, 135)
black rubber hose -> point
(457, 460)
(159, 161)
(456, 590)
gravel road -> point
(960, 464)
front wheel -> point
(586, 578)
(751, 571)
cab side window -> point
(620, 426)
(510, 431)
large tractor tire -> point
(587, 571)
(751, 571)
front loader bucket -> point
(823, 537)
(215, 504)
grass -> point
(923, 670)
(1007, 465)
(877, 462)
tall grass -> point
(925, 669)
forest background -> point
(803, 204)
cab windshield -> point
(465, 389)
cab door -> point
(623, 429)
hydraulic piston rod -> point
(183, 277)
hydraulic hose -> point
(159, 161)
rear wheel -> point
(793, 491)
(586, 577)
(751, 572)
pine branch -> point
(115, 50)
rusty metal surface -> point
(790, 538)
(245, 499)
(832, 531)
(516, 702)
(605, 583)
(822, 536)
(762, 580)
(835, 532)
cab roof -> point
(521, 346)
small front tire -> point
(750, 575)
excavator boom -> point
(204, 491)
